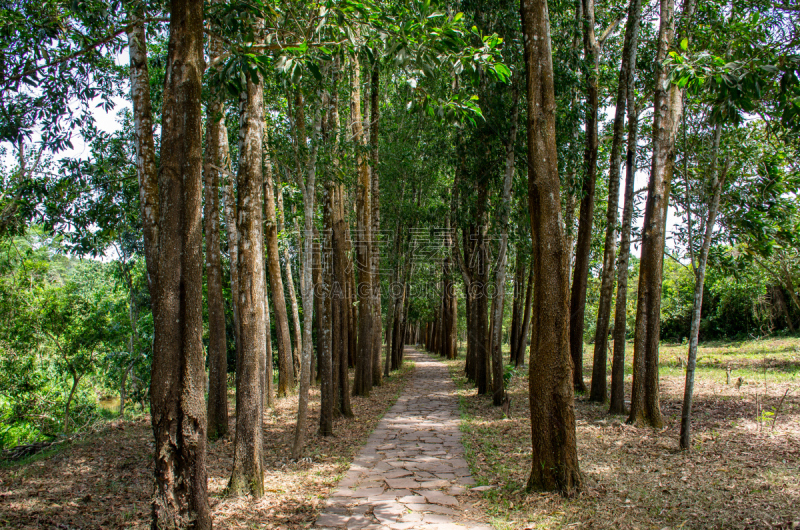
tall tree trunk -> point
(645, 407)
(626, 76)
(247, 475)
(286, 379)
(343, 314)
(287, 264)
(316, 271)
(307, 287)
(229, 213)
(146, 170)
(375, 115)
(363, 380)
(267, 385)
(519, 289)
(450, 321)
(325, 294)
(498, 394)
(555, 458)
(617, 402)
(216, 158)
(700, 278)
(526, 320)
(580, 276)
(171, 214)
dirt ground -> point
(743, 471)
(104, 481)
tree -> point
(247, 475)
(625, 84)
(363, 380)
(645, 408)
(592, 46)
(699, 268)
(76, 319)
(555, 459)
(171, 218)
(216, 158)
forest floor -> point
(104, 480)
(743, 470)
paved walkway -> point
(412, 470)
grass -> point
(741, 473)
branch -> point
(609, 30)
(105, 40)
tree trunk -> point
(645, 408)
(316, 271)
(146, 170)
(267, 385)
(229, 213)
(343, 314)
(363, 380)
(216, 158)
(583, 248)
(498, 394)
(519, 289)
(247, 475)
(307, 286)
(526, 321)
(287, 264)
(375, 115)
(325, 293)
(617, 405)
(555, 459)
(626, 76)
(700, 278)
(286, 380)
(171, 216)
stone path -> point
(412, 470)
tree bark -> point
(343, 313)
(247, 475)
(700, 278)
(286, 380)
(645, 407)
(526, 321)
(375, 115)
(174, 256)
(498, 393)
(229, 213)
(626, 76)
(617, 402)
(287, 265)
(325, 293)
(146, 170)
(307, 286)
(267, 385)
(555, 459)
(516, 316)
(363, 380)
(216, 158)
(583, 248)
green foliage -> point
(63, 322)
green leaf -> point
(684, 44)
(315, 71)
